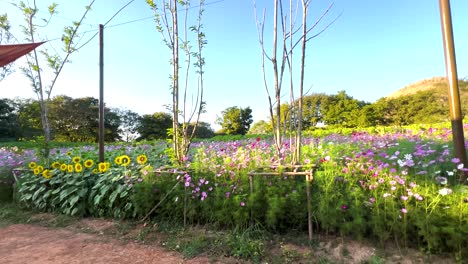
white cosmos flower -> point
(445, 191)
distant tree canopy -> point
(342, 110)
(9, 125)
(235, 120)
(77, 119)
(154, 126)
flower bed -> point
(394, 186)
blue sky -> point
(372, 50)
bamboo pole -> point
(453, 90)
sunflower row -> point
(123, 160)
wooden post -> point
(101, 93)
(251, 192)
(309, 205)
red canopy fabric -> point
(9, 53)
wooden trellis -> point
(295, 171)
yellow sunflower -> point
(47, 174)
(76, 159)
(95, 171)
(55, 165)
(63, 167)
(32, 165)
(70, 168)
(125, 160)
(37, 171)
(88, 163)
(102, 167)
(40, 168)
(118, 160)
(142, 159)
(78, 167)
(69, 153)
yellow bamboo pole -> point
(453, 90)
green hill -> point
(437, 85)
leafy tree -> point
(34, 70)
(5, 38)
(260, 128)
(236, 120)
(176, 34)
(29, 118)
(341, 110)
(312, 112)
(154, 126)
(203, 130)
(129, 122)
(9, 126)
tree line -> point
(77, 120)
(342, 110)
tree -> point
(167, 23)
(29, 118)
(236, 120)
(203, 130)
(312, 112)
(129, 123)
(5, 38)
(260, 128)
(154, 126)
(55, 62)
(287, 30)
(9, 126)
(341, 110)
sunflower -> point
(37, 171)
(78, 167)
(70, 168)
(118, 160)
(69, 153)
(63, 167)
(32, 165)
(88, 163)
(47, 174)
(95, 171)
(102, 167)
(76, 159)
(142, 159)
(40, 168)
(55, 165)
(125, 160)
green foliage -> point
(236, 120)
(154, 126)
(9, 126)
(260, 128)
(5, 38)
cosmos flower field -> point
(399, 186)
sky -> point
(373, 49)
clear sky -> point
(372, 50)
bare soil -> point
(20, 244)
(100, 241)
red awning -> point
(9, 53)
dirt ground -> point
(21, 244)
(86, 242)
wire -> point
(150, 17)
(119, 12)
(126, 22)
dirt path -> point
(21, 244)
